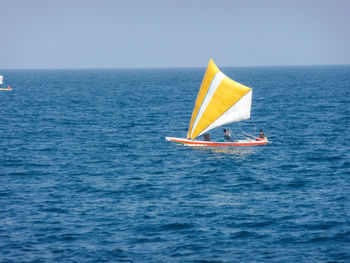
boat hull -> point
(8, 88)
(187, 142)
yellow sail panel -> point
(224, 93)
(210, 73)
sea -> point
(86, 174)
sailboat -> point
(8, 86)
(220, 101)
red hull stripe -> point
(218, 143)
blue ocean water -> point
(87, 176)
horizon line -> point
(176, 67)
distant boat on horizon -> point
(1, 82)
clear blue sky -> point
(172, 33)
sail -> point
(220, 101)
(0, 79)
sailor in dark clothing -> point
(261, 134)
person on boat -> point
(227, 134)
(261, 134)
(206, 137)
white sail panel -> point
(1, 79)
(212, 88)
(238, 112)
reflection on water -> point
(234, 150)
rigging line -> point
(240, 128)
(244, 136)
(251, 135)
(235, 135)
(254, 126)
